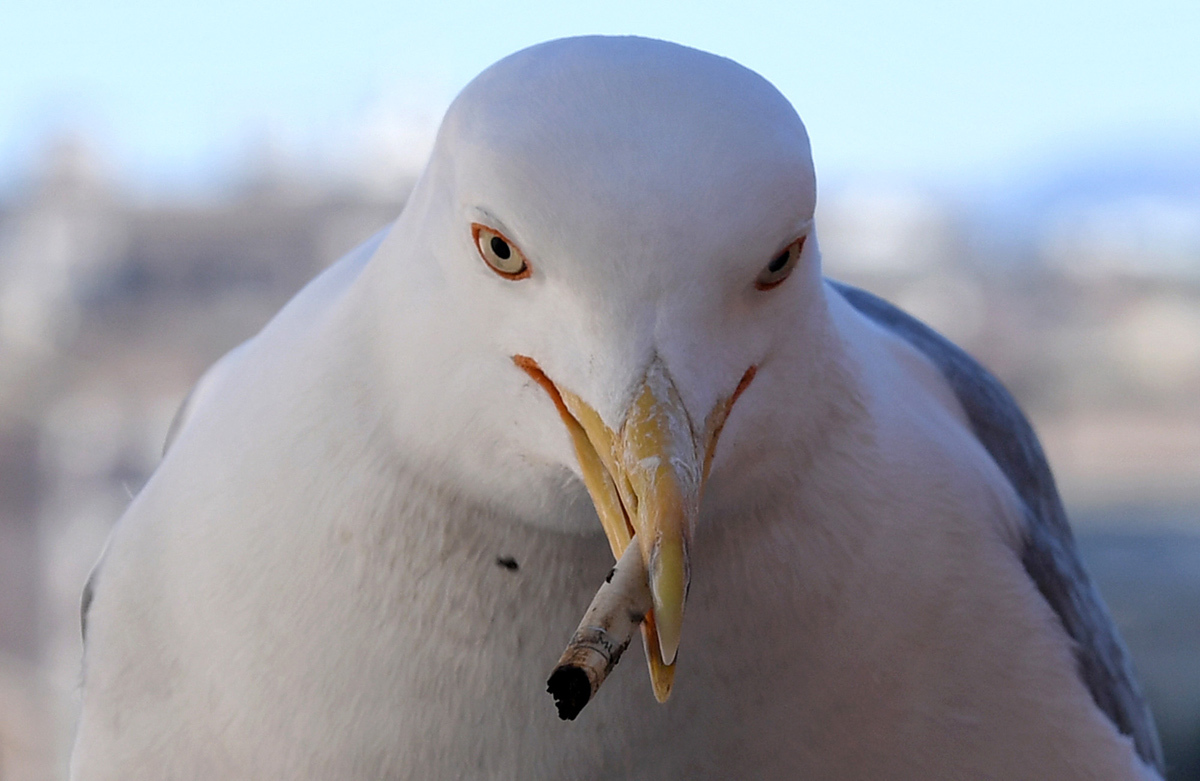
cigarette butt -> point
(603, 635)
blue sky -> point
(949, 92)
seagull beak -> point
(657, 460)
(647, 478)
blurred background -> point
(1025, 176)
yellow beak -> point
(647, 478)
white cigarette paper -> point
(603, 634)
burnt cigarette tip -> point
(571, 689)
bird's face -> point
(626, 228)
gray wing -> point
(1049, 555)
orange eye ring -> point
(781, 266)
(499, 252)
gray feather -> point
(1049, 554)
(85, 604)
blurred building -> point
(1098, 334)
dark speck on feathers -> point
(508, 562)
(637, 618)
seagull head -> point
(616, 239)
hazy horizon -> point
(943, 95)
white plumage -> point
(881, 584)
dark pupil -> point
(500, 247)
(774, 265)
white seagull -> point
(602, 313)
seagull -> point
(601, 318)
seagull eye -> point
(780, 266)
(501, 255)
